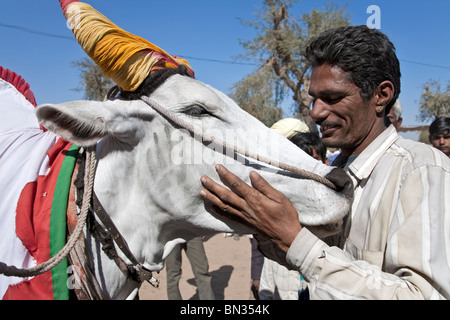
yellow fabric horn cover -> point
(125, 58)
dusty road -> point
(229, 265)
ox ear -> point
(80, 122)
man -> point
(394, 116)
(440, 134)
(312, 144)
(395, 243)
(195, 252)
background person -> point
(394, 116)
(195, 252)
(276, 281)
(440, 134)
(312, 144)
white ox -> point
(148, 171)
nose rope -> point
(206, 137)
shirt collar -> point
(363, 165)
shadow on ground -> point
(220, 280)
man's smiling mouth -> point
(328, 128)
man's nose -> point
(319, 110)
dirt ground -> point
(229, 265)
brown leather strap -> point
(136, 270)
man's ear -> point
(384, 93)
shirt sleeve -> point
(415, 262)
(332, 274)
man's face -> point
(346, 120)
(442, 142)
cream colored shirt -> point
(396, 242)
(279, 283)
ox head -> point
(149, 168)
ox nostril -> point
(342, 182)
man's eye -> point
(332, 100)
(327, 100)
(195, 111)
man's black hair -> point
(366, 55)
(308, 141)
(440, 126)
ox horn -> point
(125, 58)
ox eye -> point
(195, 111)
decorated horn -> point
(125, 58)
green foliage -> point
(433, 102)
(256, 95)
(423, 137)
(278, 49)
(93, 83)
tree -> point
(278, 49)
(255, 94)
(93, 83)
(433, 102)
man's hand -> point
(262, 207)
